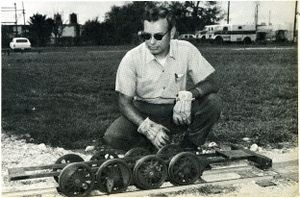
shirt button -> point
(163, 70)
(164, 87)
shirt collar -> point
(150, 57)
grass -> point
(65, 96)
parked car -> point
(186, 37)
(20, 43)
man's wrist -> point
(144, 125)
(140, 121)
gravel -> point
(17, 153)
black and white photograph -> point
(149, 98)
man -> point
(153, 100)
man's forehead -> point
(159, 25)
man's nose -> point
(152, 40)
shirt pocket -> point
(179, 77)
(180, 80)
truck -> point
(228, 33)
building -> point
(67, 34)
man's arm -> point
(205, 87)
(128, 109)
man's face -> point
(157, 47)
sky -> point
(241, 12)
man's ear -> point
(173, 32)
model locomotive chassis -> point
(108, 173)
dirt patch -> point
(208, 190)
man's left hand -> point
(182, 108)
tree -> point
(125, 21)
(40, 29)
(57, 27)
(91, 31)
(122, 23)
(194, 15)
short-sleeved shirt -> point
(140, 75)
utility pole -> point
(256, 15)
(295, 20)
(23, 12)
(228, 10)
(16, 18)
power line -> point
(17, 13)
(15, 10)
(10, 10)
(7, 7)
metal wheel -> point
(137, 152)
(66, 159)
(149, 172)
(76, 180)
(184, 169)
(103, 155)
(168, 151)
(113, 176)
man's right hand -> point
(156, 133)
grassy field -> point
(65, 96)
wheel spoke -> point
(110, 177)
(149, 172)
(76, 179)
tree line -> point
(122, 23)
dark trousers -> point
(122, 133)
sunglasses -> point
(157, 36)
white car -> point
(186, 37)
(20, 43)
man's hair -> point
(153, 13)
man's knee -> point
(119, 133)
(109, 138)
(214, 103)
(210, 105)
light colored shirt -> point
(140, 75)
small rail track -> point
(139, 173)
(220, 175)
